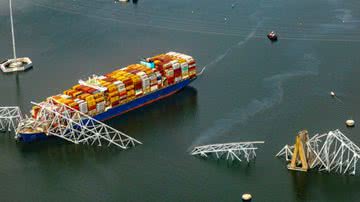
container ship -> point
(105, 96)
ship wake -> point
(241, 115)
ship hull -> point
(118, 110)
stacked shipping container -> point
(100, 93)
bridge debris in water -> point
(233, 151)
(77, 127)
(331, 152)
(10, 118)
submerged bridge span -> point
(233, 151)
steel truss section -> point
(331, 152)
(233, 151)
(77, 127)
(10, 117)
(286, 151)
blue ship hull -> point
(118, 110)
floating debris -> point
(232, 150)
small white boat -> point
(17, 64)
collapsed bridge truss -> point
(9, 118)
(233, 151)
(331, 152)
(77, 127)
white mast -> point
(15, 64)
(12, 29)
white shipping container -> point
(65, 96)
(192, 65)
(102, 77)
(153, 79)
(146, 82)
(100, 107)
(77, 100)
(176, 65)
(120, 85)
(184, 65)
(154, 88)
(138, 92)
(83, 107)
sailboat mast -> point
(12, 29)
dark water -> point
(251, 90)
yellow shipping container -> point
(130, 98)
(72, 104)
(77, 93)
(112, 88)
(112, 94)
(98, 95)
(67, 92)
(114, 99)
(84, 96)
(130, 87)
(100, 99)
(131, 92)
(91, 103)
(67, 101)
(76, 86)
(90, 98)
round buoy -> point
(332, 93)
(246, 197)
(350, 123)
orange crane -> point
(299, 159)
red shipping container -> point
(91, 91)
(122, 93)
(177, 72)
(138, 85)
(191, 63)
(109, 79)
(92, 107)
(171, 80)
(115, 103)
(128, 82)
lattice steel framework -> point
(287, 152)
(10, 118)
(233, 151)
(76, 127)
(331, 152)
